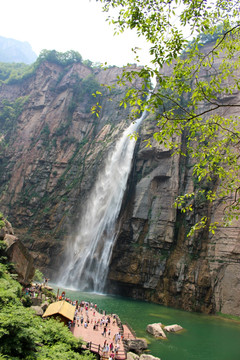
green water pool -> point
(204, 337)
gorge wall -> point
(52, 149)
(50, 156)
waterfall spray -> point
(88, 257)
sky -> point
(64, 25)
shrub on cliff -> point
(13, 73)
(195, 100)
(65, 59)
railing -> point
(98, 349)
(131, 329)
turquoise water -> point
(204, 338)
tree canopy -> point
(23, 335)
(195, 47)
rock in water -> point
(148, 357)
(132, 356)
(156, 330)
(137, 345)
(173, 328)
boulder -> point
(156, 330)
(132, 356)
(36, 301)
(6, 229)
(44, 306)
(21, 259)
(137, 345)
(38, 310)
(148, 357)
(173, 328)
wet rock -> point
(137, 345)
(173, 328)
(156, 330)
(148, 357)
(132, 356)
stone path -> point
(96, 339)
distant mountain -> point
(16, 51)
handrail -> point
(97, 348)
(131, 329)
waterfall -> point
(88, 257)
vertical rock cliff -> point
(52, 148)
(154, 258)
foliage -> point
(82, 92)
(18, 323)
(3, 257)
(67, 58)
(9, 289)
(38, 276)
(11, 71)
(57, 351)
(2, 223)
(9, 113)
(44, 134)
(24, 335)
(195, 87)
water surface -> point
(204, 338)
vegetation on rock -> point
(196, 85)
(12, 73)
(23, 335)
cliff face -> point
(52, 151)
(52, 154)
(154, 259)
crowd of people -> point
(86, 315)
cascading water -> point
(88, 256)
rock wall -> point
(18, 255)
(153, 258)
(54, 151)
(51, 152)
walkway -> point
(96, 338)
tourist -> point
(104, 331)
(116, 349)
(104, 351)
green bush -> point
(23, 335)
(38, 276)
